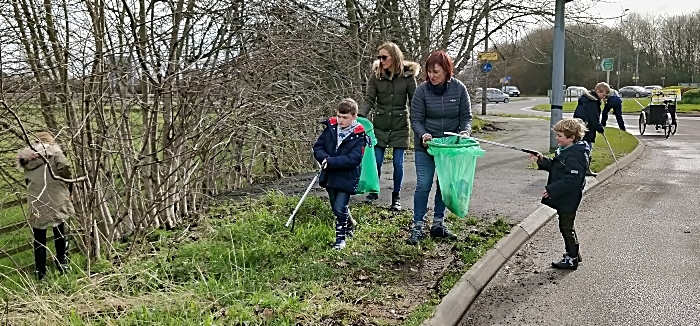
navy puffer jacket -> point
(343, 170)
(435, 114)
(588, 110)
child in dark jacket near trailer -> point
(339, 149)
(565, 183)
(588, 110)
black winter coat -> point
(343, 170)
(588, 110)
(567, 177)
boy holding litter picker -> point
(339, 150)
(565, 183)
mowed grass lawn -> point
(628, 106)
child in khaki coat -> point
(48, 199)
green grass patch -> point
(628, 106)
(522, 116)
(621, 142)
(240, 265)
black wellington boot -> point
(39, 253)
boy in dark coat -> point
(614, 103)
(588, 110)
(339, 149)
(565, 183)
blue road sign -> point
(507, 78)
(487, 67)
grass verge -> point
(522, 116)
(622, 143)
(628, 106)
(240, 265)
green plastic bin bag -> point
(369, 177)
(455, 164)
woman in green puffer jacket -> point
(389, 92)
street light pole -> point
(619, 50)
(557, 72)
(484, 89)
(636, 70)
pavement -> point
(639, 239)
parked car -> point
(495, 95)
(511, 91)
(634, 91)
(652, 88)
(575, 91)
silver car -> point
(495, 95)
(634, 91)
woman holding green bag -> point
(390, 89)
(440, 104)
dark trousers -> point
(398, 158)
(618, 116)
(339, 203)
(60, 243)
(568, 232)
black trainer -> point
(395, 201)
(416, 237)
(441, 231)
(566, 263)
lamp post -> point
(557, 71)
(619, 49)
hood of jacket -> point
(579, 147)
(28, 159)
(590, 97)
(410, 68)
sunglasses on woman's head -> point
(382, 57)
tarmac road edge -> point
(455, 304)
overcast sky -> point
(609, 8)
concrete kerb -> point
(454, 305)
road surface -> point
(640, 240)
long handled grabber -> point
(292, 220)
(529, 151)
(612, 153)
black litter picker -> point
(661, 112)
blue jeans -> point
(618, 116)
(425, 171)
(339, 203)
(398, 164)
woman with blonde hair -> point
(48, 199)
(390, 89)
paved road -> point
(640, 239)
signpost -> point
(607, 64)
(488, 56)
(487, 67)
